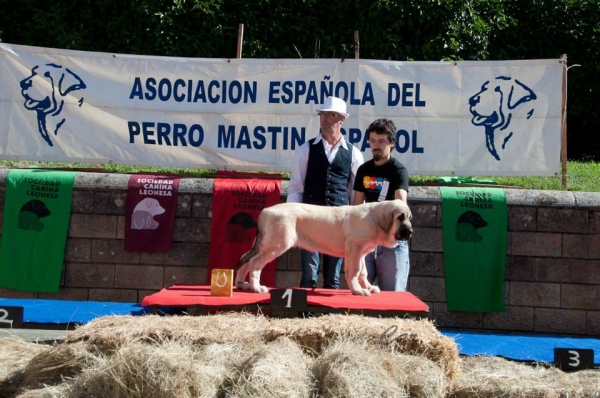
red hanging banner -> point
(150, 212)
(238, 199)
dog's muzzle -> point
(405, 233)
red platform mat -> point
(197, 295)
(188, 295)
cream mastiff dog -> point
(346, 231)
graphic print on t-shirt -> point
(382, 185)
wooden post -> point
(356, 45)
(240, 40)
(563, 147)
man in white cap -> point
(323, 173)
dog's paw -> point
(260, 289)
(364, 283)
(374, 289)
(243, 285)
(361, 292)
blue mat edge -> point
(526, 347)
(64, 311)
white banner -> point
(461, 118)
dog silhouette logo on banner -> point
(467, 225)
(45, 91)
(493, 108)
(30, 215)
(240, 227)
(144, 212)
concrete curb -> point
(40, 336)
(514, 197)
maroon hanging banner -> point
(238, 199)
(150, 212)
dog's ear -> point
(390, 221)
(384, 215)
(69, 82)
(519, 93)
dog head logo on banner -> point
(240, 228)
(144, 212)
(31, 215)
(493, 108)
(45, 91)
(467, 225)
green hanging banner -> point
(37, 209)
(474, 222)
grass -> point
(581, 176)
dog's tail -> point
(250, 253)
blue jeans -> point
(389, 266)
(310, 270)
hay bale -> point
(277, 369)
(497, 377)
(351, 369)
(166, 369)
(212, 363)
(216, 362)
(15, 354)
(111, 332)
(51, 367)
(589, 380)
(421, 377)
(222, 355)
(60, 391)
(406, 336)
(329, 356)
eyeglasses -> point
(330, 114)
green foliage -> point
(549, 29)
(430, 30)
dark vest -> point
(327, 184)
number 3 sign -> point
(574, 358)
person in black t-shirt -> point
(384, 178)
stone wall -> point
(552, 282)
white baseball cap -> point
(334, 104)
